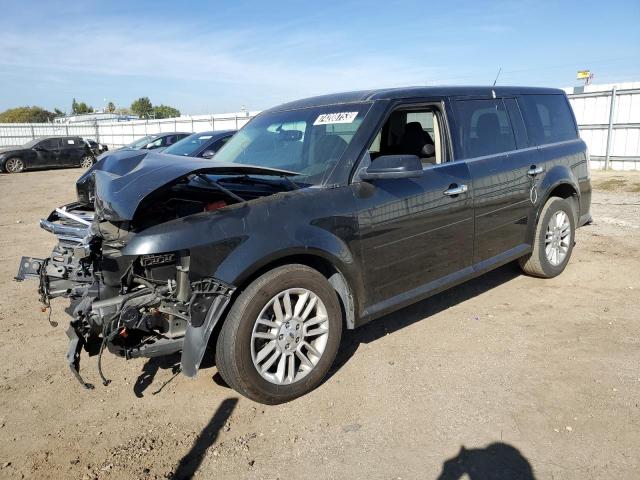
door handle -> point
(535, 170)
(456, 190)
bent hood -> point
(122, 180)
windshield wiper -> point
(220, 187)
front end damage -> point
(132, 306)
(137, 305)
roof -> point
(411, 92)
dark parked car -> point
(96, 148)
(203, 144)
(155, 142)
(47, 152)
(318, 215)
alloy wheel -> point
(86, 162)
(14, 165)
(289, 336)
(557, 238)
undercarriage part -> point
(160, 347)
(73, 356)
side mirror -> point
(389, 167)
(149, 146)
(208, 154)
(38, 148)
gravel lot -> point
(506, 375)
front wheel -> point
(554, 239)
(14, 165)
(281, 335)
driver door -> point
(416, 236)
(47, 153)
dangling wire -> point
(43, 289)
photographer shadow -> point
(498, 461)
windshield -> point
(309, 141)
(188, 145)
(32, 143)
(141, 142)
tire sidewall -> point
(555, 205)
(248, 313)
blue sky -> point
(204, 57)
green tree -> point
(26, 115)
(58, 112)
(78, 108)
(111, 107)
(142, 107)
(165, 111)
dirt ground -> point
(505, 375)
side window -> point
(49, 144)
(157, 143)
(218, 145)
(548, 118)
(77, 142)
(483, 128)
(410, 132)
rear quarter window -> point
(548, 118)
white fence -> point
(118, 134)
(609, 120)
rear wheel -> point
(14, 165)
(281, 335)
(554, 239)
(86, 161)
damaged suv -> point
(318, 215)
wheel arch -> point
(318, 261)
(565, 190)
(559, 181)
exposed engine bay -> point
(139, 305)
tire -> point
(14, 165)
(240, 353)
(86, 162)
(547, 261)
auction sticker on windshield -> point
(338, 117)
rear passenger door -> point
(71, 151)
(492, 138)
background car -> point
(156, 142)
(96, 148)
(47, 152)
(203, 144)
